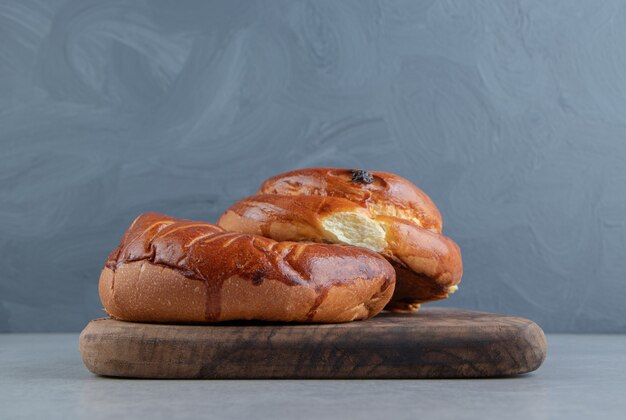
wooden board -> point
(432, 343)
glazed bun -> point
(169, 270)
(378, 211)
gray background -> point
(511, 115)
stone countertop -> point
(42, 376)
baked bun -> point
(169, 270)
(375, 210)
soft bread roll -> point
(375, 210)
(169, 270)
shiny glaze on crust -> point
(204, 252)
(426, 253)
(386, 189)
(292, 206)
(303, 213)
(423, 251)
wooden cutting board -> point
(432, 343)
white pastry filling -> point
(355, 229)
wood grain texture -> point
(433, 343)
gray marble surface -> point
(509, 114)
(41, 376)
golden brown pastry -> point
(379, 211)
(169, 270)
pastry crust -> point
(169, 270)
(388, 215)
